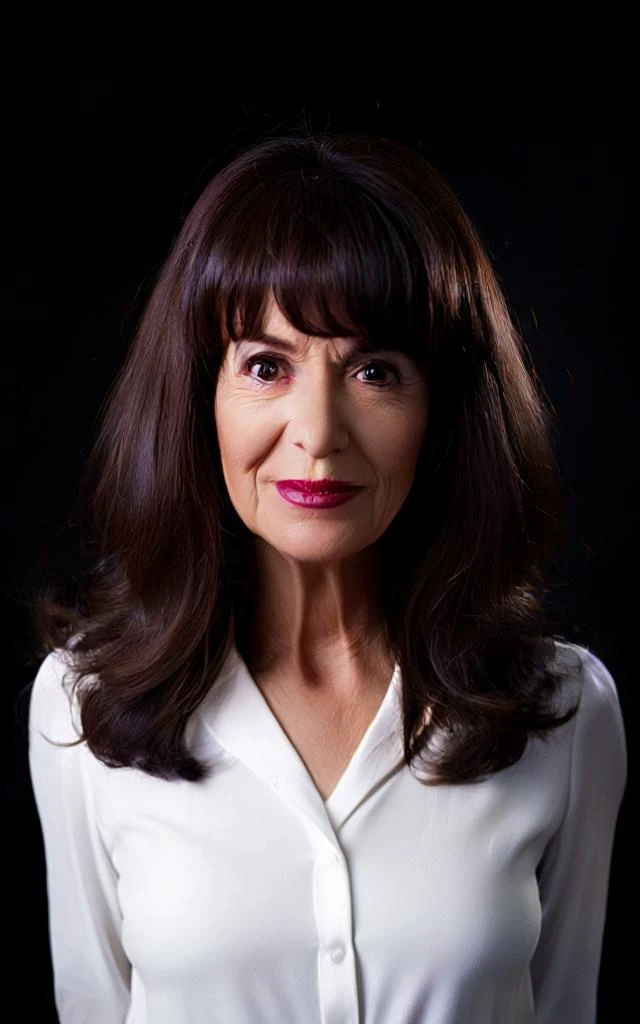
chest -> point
(325, 732)
(435, 882)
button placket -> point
(333, 902)
(336, 960)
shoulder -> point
(53, 705)
(586, 677)
(598, 726)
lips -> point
(327, 486)
(317, 500)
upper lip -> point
(314, 486)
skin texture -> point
(317, 622)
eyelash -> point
(266, 358)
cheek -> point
(396, 449)
(231, 423)
(241, 448)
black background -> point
(115, 119)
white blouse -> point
(248, 899)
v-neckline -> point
(237, 714)
(358, 748)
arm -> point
(573, 875)
(91, 971)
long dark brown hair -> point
(352, 235)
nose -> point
(318, 417)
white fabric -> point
(248, 899)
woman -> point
(324, 760)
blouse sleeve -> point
(91, 971)
(573, 875)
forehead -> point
(275, 328)
(276, 323)
(273, 321)
(297, 321)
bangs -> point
(338, 261)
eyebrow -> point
(289, 346)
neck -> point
(319, 623)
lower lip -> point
(305, 500)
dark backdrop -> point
(113, 122)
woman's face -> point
(322, 409)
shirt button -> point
(337, 954)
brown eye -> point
(379, 367)
(263, 360)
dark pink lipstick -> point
(317, 493)
(318, 486)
